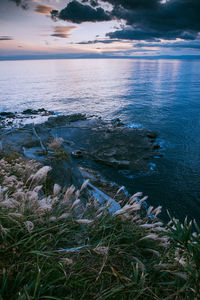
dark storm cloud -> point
(131, 4)
(170, 20)
(98, 41)
(131, 33)
(149, 20)
(6, 38)
(77, 13)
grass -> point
(127, 255)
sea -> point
(162, 95)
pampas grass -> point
(52, 246)
(55, 143)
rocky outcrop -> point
(86, 142)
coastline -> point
(67, 232)
(79, 147)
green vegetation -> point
(127, 255)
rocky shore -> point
(78, 147)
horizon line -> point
(52, 57)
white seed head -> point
(85, 183)
(150, 237)
(29, 225)
(76, 202)
(84, 221)
(101, 250)
(56, 189)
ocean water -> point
(162, 95)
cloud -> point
(61, 35)
(150, 20)
(43, 9)
(170, 20)
(40, 8)
(22, 3)
(62, 31)
(6, 38)
(130, 4)
(134, 33)
(98, 41)
(77, 13)
(135, 4)
(180, 44)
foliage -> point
(54, 247)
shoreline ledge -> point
(73, 143)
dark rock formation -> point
(98, 142)
(40, 111)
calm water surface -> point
(162, 95)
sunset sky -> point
(94, 28)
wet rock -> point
(89, 174)
(118, 164)
(34, 153)
(103, 198)
(109, 153)
(157, 154)
(7, 114)
(40, 111)
(117, 122)
(102, 143)
(63, 120)
(118, 147)
(156, 146)
(113, 190)
(77, 154)
(151, 135)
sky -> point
(99, 28)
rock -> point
(34, 153)
(118, 147)
(157, 154)
(7, 114)
(119, 164)
(156, 147)
(109, 153)
(77, 154)
(101, 142)
(103, 199)
(111, 189)
(117, 122)
(151, 135)
(29, 112)
(88, 174)
(40, 111)
(63, 120)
